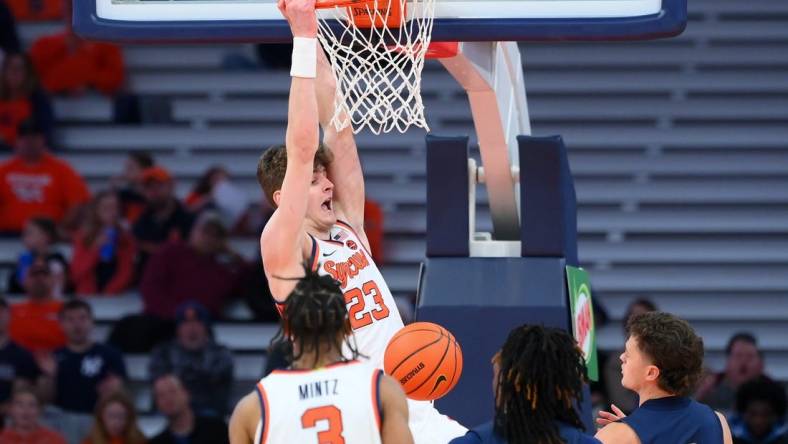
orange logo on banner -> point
(391, 10)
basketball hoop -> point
(377, 50)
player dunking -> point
(318, 191)
(324, 397)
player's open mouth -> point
(327, 205)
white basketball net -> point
(378, 70)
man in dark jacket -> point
(204, 367)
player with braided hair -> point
(324, 397)
(315, 313)
(538, 379)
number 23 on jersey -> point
(360, 316)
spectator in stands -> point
(104, 251)
(204, 269)
(204, 367)
(36, 183)
(256, 293)
(115, 422)
(373, 228)
(9, 40)
(70, 65)
(164, 218)
(183, 425)
(21, 99)
(215, 191)
(25, 427)
(744, 362)
(82, 371)
(255, 218)
(38, 238)
(17, 366)
(37, 10)
(34, 323)
(760, 413)
(624, 399)
(129, 184)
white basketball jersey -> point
(335, 404)
(373, 312)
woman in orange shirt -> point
(115, 422)
(104, 251)
(21, 99)
(70, 65)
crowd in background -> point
(134, 234)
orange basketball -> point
(426, 359)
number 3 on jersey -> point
(333, 435)
(356, 304)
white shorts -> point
(429, 426)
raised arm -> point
(345, 171)
(282, 240)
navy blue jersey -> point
(675, 420)
(484, 434)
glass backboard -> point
(456, 20)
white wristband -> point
(304, 62)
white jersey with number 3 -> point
(373, 312)
(339, 403)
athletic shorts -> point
(429, 426)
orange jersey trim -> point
(265, 416)
(376, 377)
(315, 253)
(280, 307)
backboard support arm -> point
(492, 76)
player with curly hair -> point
(663, 362)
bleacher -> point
(679, 150)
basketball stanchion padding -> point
(425, 359)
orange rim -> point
(324, 4)
(389, 13)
